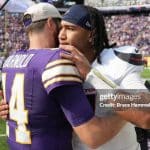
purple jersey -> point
(45, 98)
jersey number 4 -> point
(17, 111)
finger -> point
(65, 55)
(4, 107)
(73, 57)
(4, 117)
(77, 58)
(2, 102)
(68, 48)
(4, 113)
(71, 49)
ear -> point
(50, 24)
(90, 36)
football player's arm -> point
(100, 130)
(92, 130)
(134, 81)
(4, 109)
(69, 93)
(140, 116)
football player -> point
(44, 91)
(122, 65)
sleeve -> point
(74, 104)
(99, 80)
(104, 88)
(132, 81)
(60, 72)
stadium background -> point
(128, 27)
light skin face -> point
(71, 34)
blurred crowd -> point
(122, 29)
(12, 34)
(130, 30)
(106, 3)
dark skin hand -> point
(78, 58)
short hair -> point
(36, 27)
(39, 25)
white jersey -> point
(123, 70)
(123, 66)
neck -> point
(90, 55)
(39, 41)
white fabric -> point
(92, 78)
(42, 11)
(132, 81)
(121, 73)
(115, 68)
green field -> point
(3, 144)
(146, 73)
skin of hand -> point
(78, 58)
(132, 114)
(4, 109)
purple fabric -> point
(47, 113)
(74, 104)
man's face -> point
(71, 34)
